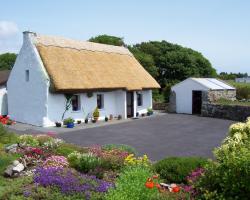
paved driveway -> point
(159, 136)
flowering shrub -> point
(228, 177)
(132, 160)
(6, 120)
(28, 140)
(122, 147)
(111, 158)
(70, 182)
(131, 185)
(56, 162)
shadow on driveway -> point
(160, 136)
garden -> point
(46, 167)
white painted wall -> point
(114, 103)
(3, 101)
(146, 101)
(27, 101)
(184, 94)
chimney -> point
(27, 35)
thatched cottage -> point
(94, 75)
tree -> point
(108, 39)
(7, 61)
(168, 63)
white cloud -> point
(7, 29)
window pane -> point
(75, 102)
(139, 99)
(100, 103)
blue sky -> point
(219, 29)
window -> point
(139, 99)
(27, 75)
(100, 101)
(75, 101)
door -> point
(130, 104)
(197, 101)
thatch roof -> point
(75, 66)
(4, 75)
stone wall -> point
(214, 95)
(232, 112)
(160, 106)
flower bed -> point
(45, 167)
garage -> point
(189, 95)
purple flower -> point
(26, 193)
(69, 181)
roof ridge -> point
(62, 42)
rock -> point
(9, 171)
(18, 168)
(12, 148)
(23, 161)
(15, 163)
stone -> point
(18, 168)
(15, 163)
(12, 148)
(9, 171)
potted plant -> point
(69, 122)
(58, 124)
(106, 118)
(119, 117)
(143, 114)
(96, 114)
(111, 117)
(79, 121)
(93, 120)
(86, 120)
(150, 111)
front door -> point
(130, 104)
(197, 101)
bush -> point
(175, 169)
(122, 147)
(65, 149)
(96, 113)
(68, 120)
(7, 137)
(84, 162)
(131, 185)
(28, 140)
(228, 177)
(6, 159)
(242, 90)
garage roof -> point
(213, 84)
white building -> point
(3, 92)
(95, 75)
(243, 80)
(192, 92)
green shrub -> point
(96, 113)
(84, 162)
(7, 137)
(228, 177)
(242, 90)
(28, 140)
(175, 169)
(122, 147)
(131, 185)
(6, 159)
(65, 149)
(68, 120)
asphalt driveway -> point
(159, 136)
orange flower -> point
(149, 184)
(176, 189)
